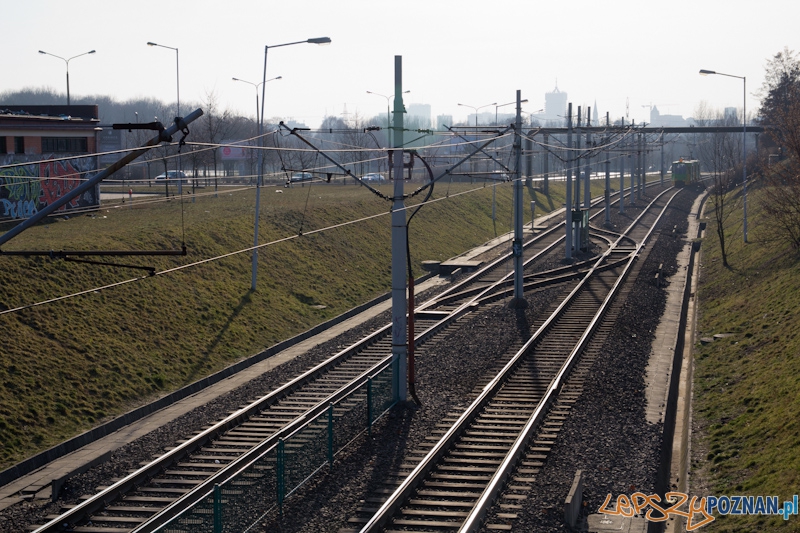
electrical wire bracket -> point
(164, 135)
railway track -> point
(188, 472)
(459, 479)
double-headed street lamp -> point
(257, 85)
(744, 142)
(388, 115)
(315, 40)
(67, 62)
(477, 108)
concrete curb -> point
(671, 413)
(37, 461)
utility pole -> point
(662, 159)
(528, 159)
(578, 163)
(622, 171)
(587, 200)
(546, 163)
(519, 301)
(399, 239)
(642, 165)
(568, 199)
(608, 176)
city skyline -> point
(618, 56)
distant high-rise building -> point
(731, 113)
(421, 113)
(670, 121)
(555, 106)
(442, 121)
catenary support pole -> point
(399, 303)
(577, 160)
(587, 192)
(607, 189)
(642, 165)
(568, 199)
(546, 164)
(89, 184)
(622, 171)
(519, 301)
(662, 159)
(528, 159)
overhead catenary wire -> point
(494, 137)
(180, 268)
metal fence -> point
(260, 487)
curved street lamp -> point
(704, 72)
(177, 72)
(388, 115)
(476, 109)
(67, 63)
(314, 40)
(257, 85)
(178, 114)
(496, 107)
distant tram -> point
(685, 171)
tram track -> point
(456, 483)
(200, 459)
(204, 457)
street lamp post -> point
(477, 108)
(496, 107)
(314, 40)
(177, 114)
(472, 162)
(177, 74)
(256, 86)
(388, 115)
(67, 63)
(704, 72)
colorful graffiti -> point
(27, 188)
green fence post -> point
(217, 509)
(330, 436)
(281, 482)
(369, 407)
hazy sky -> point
(612, 52)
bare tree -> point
(215, 125)
(780, 112)
(720, 153)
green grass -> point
(73, 363)
(747, 386)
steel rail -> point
(125, 485)
(118, 489)
(489, 496)
(129, 482)
(387, 510)
(242, 463)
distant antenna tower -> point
(627, 107)
(345, 115)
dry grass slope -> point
(747, 385)
(71, 364)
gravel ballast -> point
(607, 435)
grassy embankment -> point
(69, 365)
(747, 385)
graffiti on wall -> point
(28, 188)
